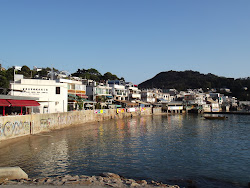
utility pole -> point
(13, 80)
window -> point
(57, 90)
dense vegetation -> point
(94, 74)
(7, 75)
(184, 80)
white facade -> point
(103, 90)
(148, 96)
(76, 92)
(119, 92)
(133, 92)
(52, 96)
(200, 99)
(100, 90)
(74, 87)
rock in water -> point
(111, 175)
(12, 173)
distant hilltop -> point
(183, 80)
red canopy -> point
(4, 102)
(82, 96)
(23, 102)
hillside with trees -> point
(7, 75)
(94, 74)
(183, 80)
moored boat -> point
(215, 117)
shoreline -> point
(104, 180)
(232, 112)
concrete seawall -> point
(16, 126)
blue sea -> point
(173, 149)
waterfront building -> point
(52, 96)
(133, 92)
(119, 91)
(173, 107)
(244, 105)
(148, 96)
(76, 93)
(17, 105)
(155, 95)
(211, 105)
(217, 96)
(101, 92)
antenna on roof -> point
(52, 73)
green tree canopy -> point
(110, 76)
(25, 71)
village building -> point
(77, 96)
(100, 93)
(17, 105)
(119, 91)
(134, 93)
(52, 96)
(148, 96)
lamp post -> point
(14, 81)
(15, 68)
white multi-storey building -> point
(148, 96)
(76, 92)
(51, 95)
(119, 91)
(133, 92)
(99, 93)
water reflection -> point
(150, 147)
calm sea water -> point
(171, 149)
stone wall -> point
(16, 126)
(157, 110)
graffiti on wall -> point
(69, 119)
(14, 128)
(62, 120)
(46, 123)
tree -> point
(43, 72)
(25, 71)
(94, 72)
(10, 74)
(107, 76)
(79, 73)
(4, 83)
(110, 76)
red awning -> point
(4, 102)
(82, 96)
(23, 102)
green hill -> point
(183, 80)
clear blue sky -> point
(134, 39)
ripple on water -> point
(163, 148)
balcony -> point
(135, 95)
